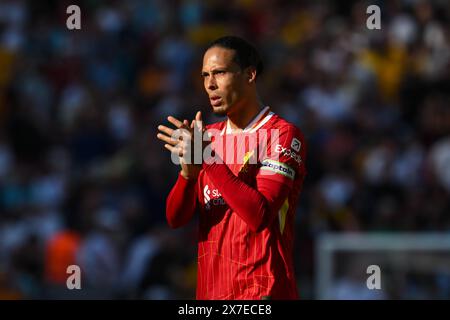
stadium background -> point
(83, 179)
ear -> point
(251, 74)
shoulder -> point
(284, 127)
(286, 150)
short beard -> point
(220, 113)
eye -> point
(219, 72)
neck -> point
(244, 115)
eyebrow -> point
(205, 73)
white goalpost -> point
(412, 265)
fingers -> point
(169, 147)
(198, 121)
(183, 132)
(177, 123)
(173, 136)
(198, 116)
(166, 130)
(174, 150)
(167, 139)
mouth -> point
(215, 101)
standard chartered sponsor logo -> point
(212, 197)
(278, 167)
(206, 193)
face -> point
(225, 83)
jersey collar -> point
(257, 122)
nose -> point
(211, 83)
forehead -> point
(218, 57)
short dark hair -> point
(245, 53)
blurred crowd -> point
(83, 179)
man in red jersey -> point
(246, 189)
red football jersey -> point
(238, 259)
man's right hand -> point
(183, 145)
